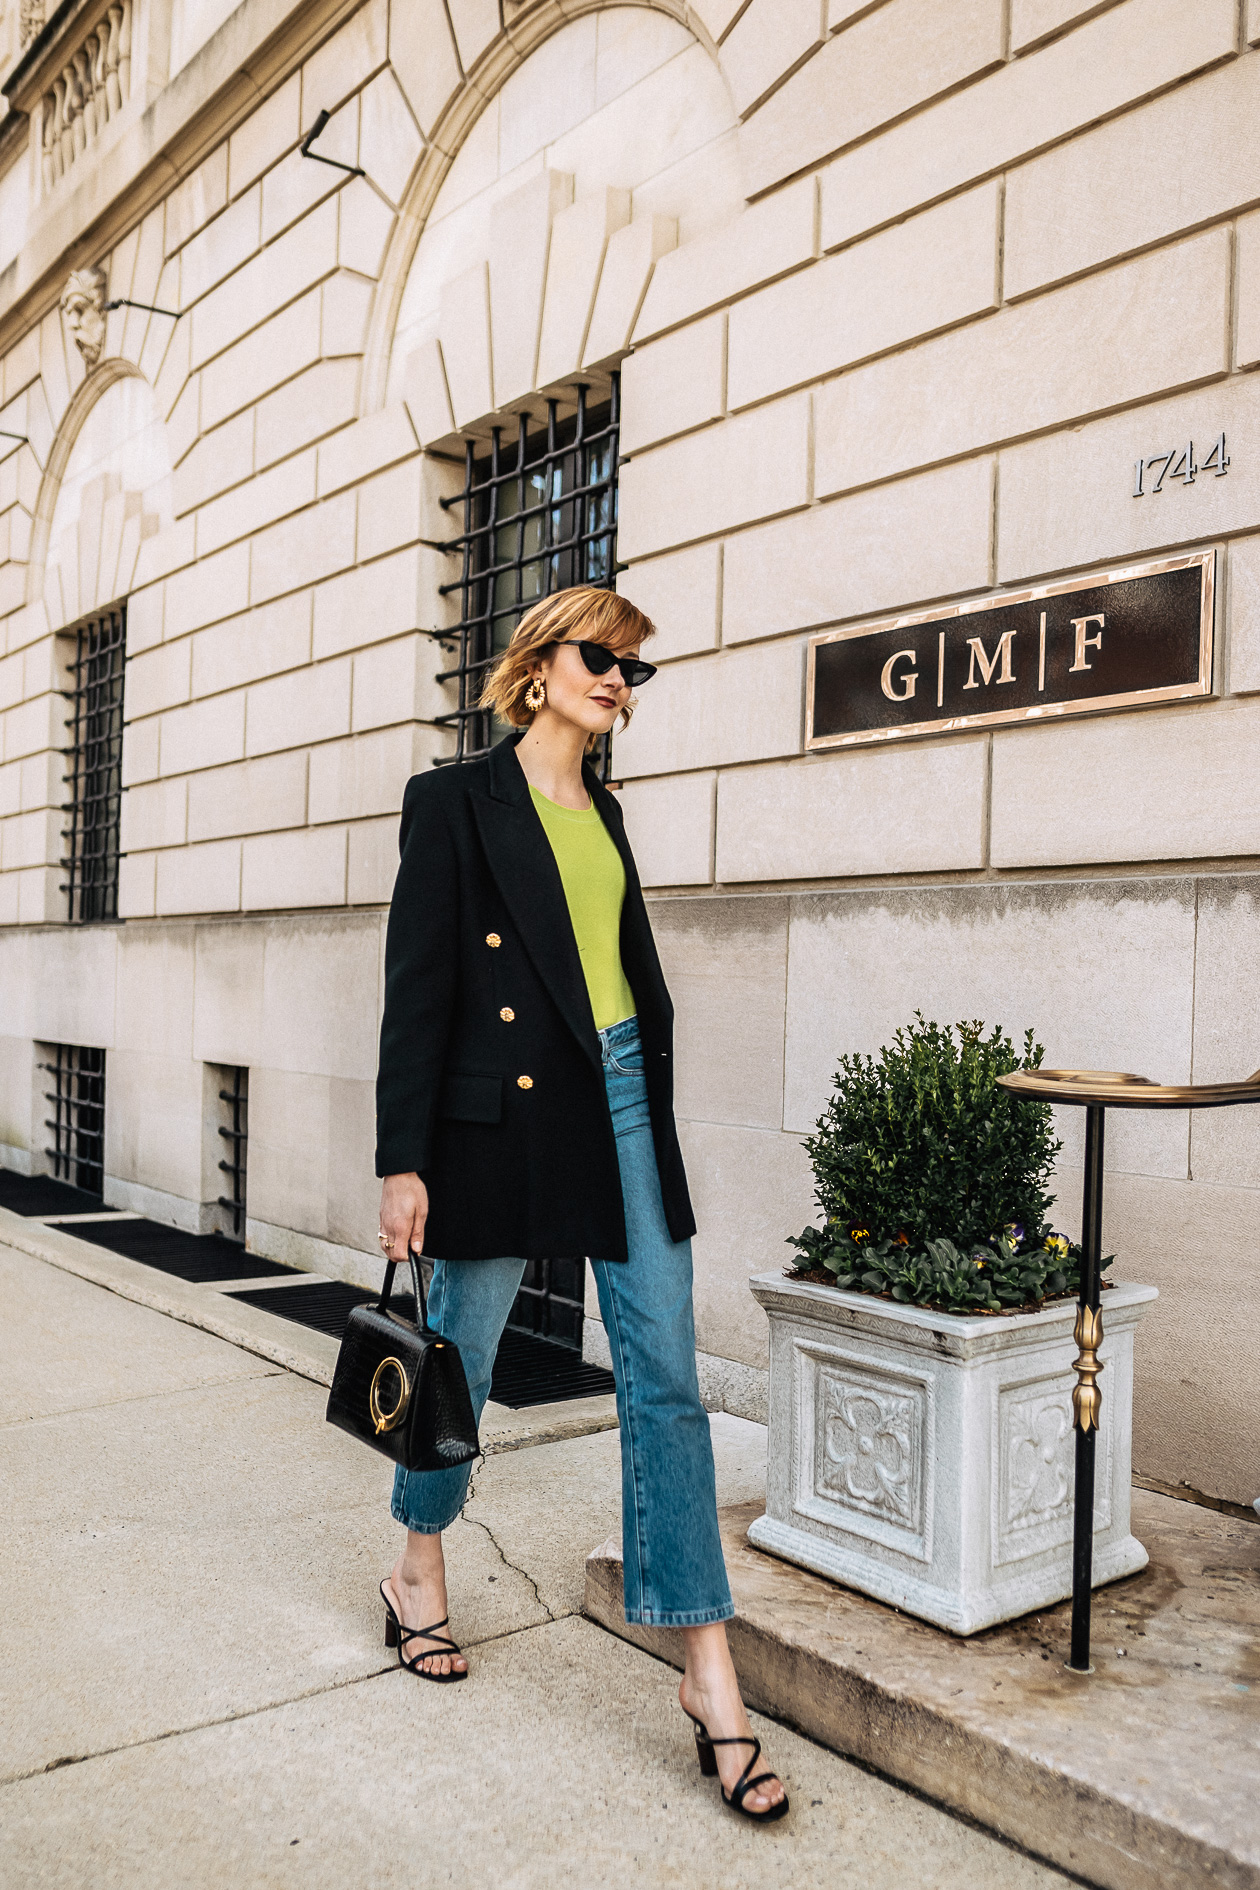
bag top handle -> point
(387, 1287)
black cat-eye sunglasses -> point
(599, 659)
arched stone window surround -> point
(504, 56)
(95, 385)
(96, 382)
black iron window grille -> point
(539, 515)
(77, 1150)
(550, 1301)
(94, 774)
(234, 1094)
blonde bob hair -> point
(580, 615)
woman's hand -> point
(404, 1211)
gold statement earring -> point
(536, 695)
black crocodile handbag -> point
(400, 1386)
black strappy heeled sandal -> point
(744, 1784)
(396, 1635)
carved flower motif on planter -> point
(867, 1456)
(1037, 1473)
(1036, 1470)
(83, 311)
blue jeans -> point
(674, 1572)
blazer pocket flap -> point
(469, 1098)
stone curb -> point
(309, 1356)
(867, 1682)
(296, 1349)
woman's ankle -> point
(422, 1563)
(709, 1665)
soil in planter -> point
(819, 1276)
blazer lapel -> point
(525, 871)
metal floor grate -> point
(527, 1371)
(324, 1307)
(193, 1257)
(37, 1195)
(530, 1370)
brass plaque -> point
(1113, 640)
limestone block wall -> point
(899, 292)
(279, 611)
(282, 596)
(294, 999)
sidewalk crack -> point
(390, 1671)
(498, 1546)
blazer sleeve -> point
(421, 969)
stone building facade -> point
(898, 292)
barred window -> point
(539, 515)
(94, 773)
(550, 1302)
(232, 1087)
(76, 1152)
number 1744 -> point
(1179, 464)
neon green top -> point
(594, 881)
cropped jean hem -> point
(426, 1528)
(675, 1617)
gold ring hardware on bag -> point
(388, 1420)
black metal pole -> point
(1086, 1396)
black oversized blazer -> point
(491, 1086)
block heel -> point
(396, 1635)
(745, 1783)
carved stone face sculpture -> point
(83, 310)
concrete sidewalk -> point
(195, 1687)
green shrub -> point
(932, 1180)
(1003, 1273)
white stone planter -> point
(928, 1458)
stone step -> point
(1141, 1776)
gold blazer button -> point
(508, 1014)
(493, 940)
(524, 1082)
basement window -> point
(233, 1100)
(550, 1301)
(76, 1152)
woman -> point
(525, 1109)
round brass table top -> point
(1120, 1089)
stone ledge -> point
(1140, 1777)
